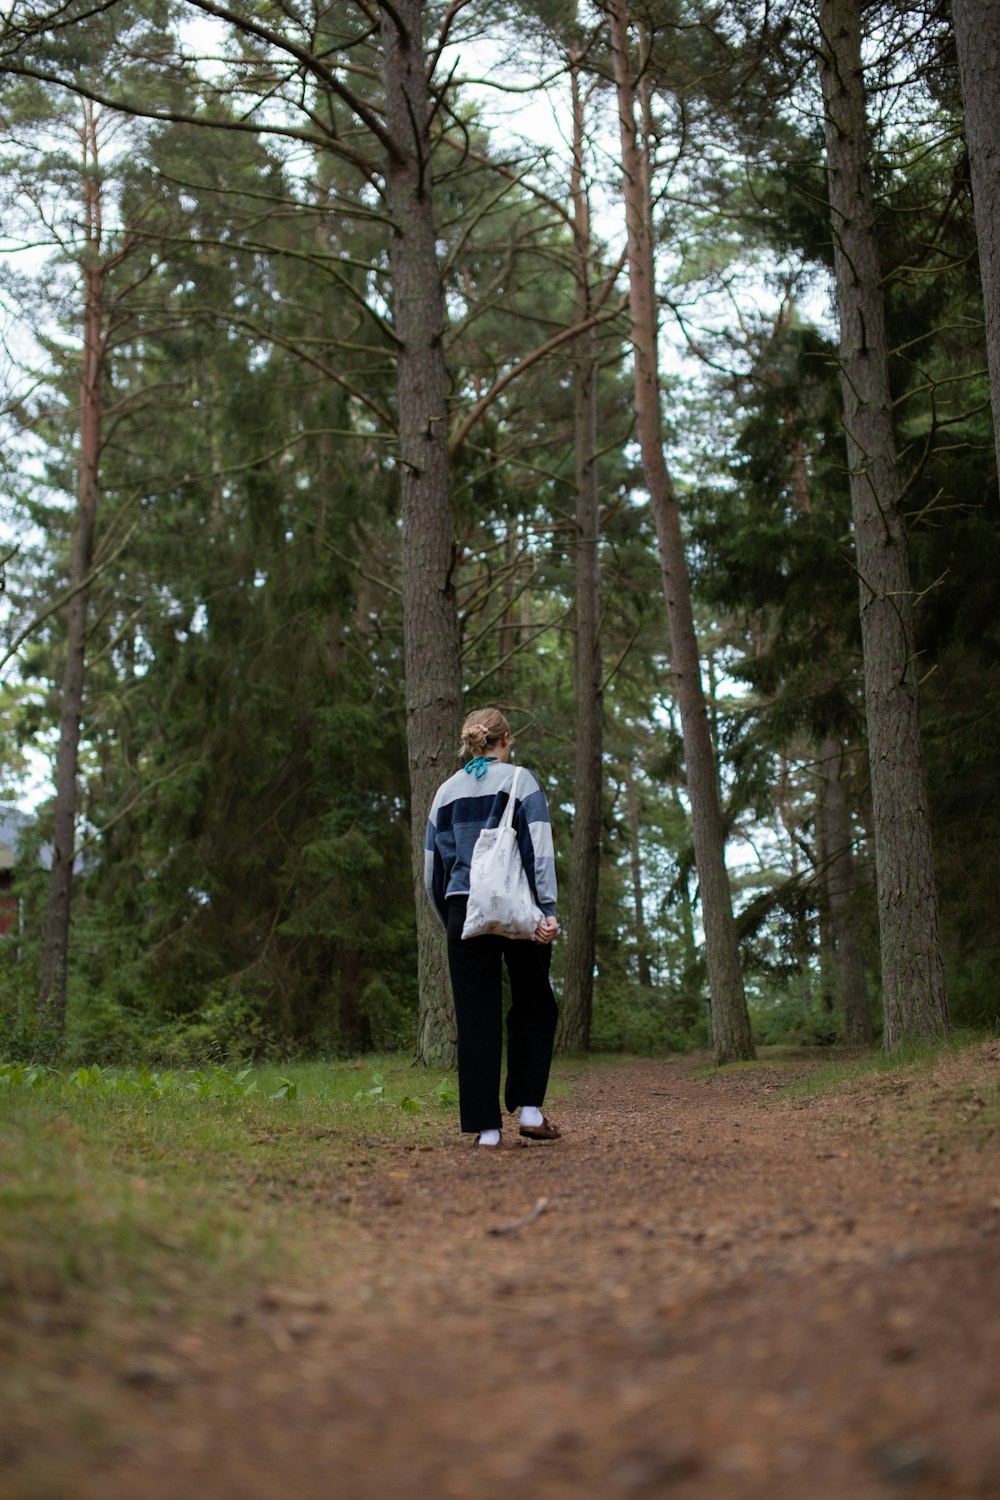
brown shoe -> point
(546, 1131)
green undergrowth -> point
(146, 1188)
(855, 1067)
(941, 1097)
(788, 1057)
(813, 1070)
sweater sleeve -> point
(434, 867)
(534, 838)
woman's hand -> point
(546, 930)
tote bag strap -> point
(508, 812)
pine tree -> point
(977, 37)
(730, 1020)
(69, 172)
(913, 985)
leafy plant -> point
(24, 1075)
(446, 1094)
(373, 1095)
(204, 1083)
(409, 1104)
(220, 1083)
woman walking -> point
(471, 800)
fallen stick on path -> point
(516, 1224)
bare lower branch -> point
(525, 364)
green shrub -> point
(795, 1013)
(974, 993)
(391, 1019)
(643, 1022)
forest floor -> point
(714, 1285)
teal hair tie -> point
(477, 765)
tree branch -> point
(525, 364)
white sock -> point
(489, 1138)
(531, 1115)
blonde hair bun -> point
(481, 730)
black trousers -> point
(476, 982)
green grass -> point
(846, 1072)
(822, 1070)
(140, 1210)
(941, 1096)
(135, 1186)
(779, 1055)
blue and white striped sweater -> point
(465, 805)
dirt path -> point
(719, 1292)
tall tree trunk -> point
(828, 969)
(977, 37)
(578, 984)
(430, 620)
(913, 987)
(507, 630)
(55, 953)
(841, 888)
(800, 941)
(635, 863)
(730, 1020)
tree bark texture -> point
(977, 38)
(635, 865)
(55, 952)
(578, 984)
(430, 620)
(730, 1020)
(507, 630)
(841, 889)
(829, 982)
(913, 986)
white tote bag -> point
(500, 899)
